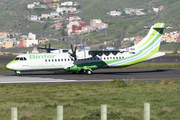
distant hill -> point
(13, 12)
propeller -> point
(73, 54)
(48, 49)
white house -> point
(30, 43)
(32, 36)
(30, 6)
(115, 13)
(155, 9)
(54, 14)
(74, 18)
(68, 3)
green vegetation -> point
(125, 100)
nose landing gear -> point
(17, 73)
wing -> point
(52, 49)
(106, 52)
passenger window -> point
(64, 59)
(116, 57)
(113, 57)
(122, 57)
(49, 60)
(52, 60)
(108, 58)
(104, 58)
(119, 57)
(61, 59)
(55, 60)
(45, 60)
(58, 59)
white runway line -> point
(18, 79)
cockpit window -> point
(20, 58)
(17, 58)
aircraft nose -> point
(9, 66)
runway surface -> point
(97, 76)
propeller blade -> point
(71, 47)
(49, 50)
(46, 47)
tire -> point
(88, 72)
(75, 72)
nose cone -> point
(11, 65)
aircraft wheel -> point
(75, 72)
(88, 72)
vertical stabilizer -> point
(152, 39)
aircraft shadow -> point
(96, 72)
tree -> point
(63, 32)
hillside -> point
(12, 17)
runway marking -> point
(16, 79)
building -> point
(3, 35)
(161, 8)
(115, 13)
(170, 38)
(54, 14)
(101, 25)
(71, 15)
(94, 21)
(7, 44)
(68, 3)
(30, 6)
(35, 17)
(155, 9)
(138, 39)
(47, 1)
(45, 16)
(56, 0)
(32, 36)
(56, 5)
(74, 18)
(69, 26)
(50, 5)
(43, 41)
(57, 26)
(138, 12)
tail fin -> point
(152, 39)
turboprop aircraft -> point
(88, 60)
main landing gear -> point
(17, 73)
(87, 72)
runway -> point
(102, 75)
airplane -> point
(88, 60)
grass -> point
(82, 101)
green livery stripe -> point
(154, 32)
(151, 37)
(14, 61)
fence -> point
(14, 112)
